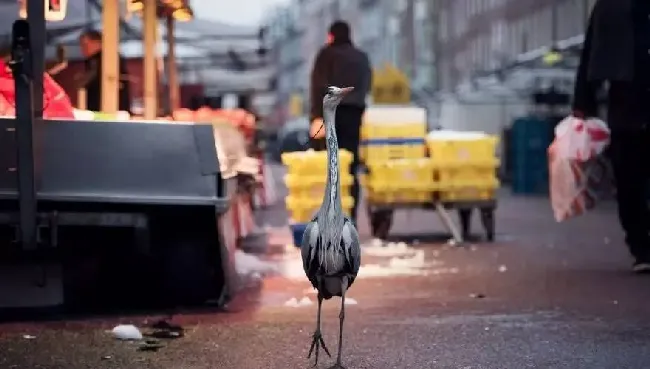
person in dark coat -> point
(91, 48)
(616, 56)
(341, 64)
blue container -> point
(531, 137)
(297, 230)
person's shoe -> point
(641, 267)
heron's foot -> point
(317, 343)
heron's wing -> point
(309, 246)
(351, 247)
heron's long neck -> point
(332, 200)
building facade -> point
(285, 36)
(479, 35)
(397, 32)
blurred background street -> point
(519, 290)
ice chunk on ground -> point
(127, 332)
(295, 303)
(292, 302)
(416, 261)
(377, 248)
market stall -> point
(158, 192)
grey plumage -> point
(330, 248)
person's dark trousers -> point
(629, 151)
(348, 131)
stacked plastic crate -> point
(394, 151)
(305, 179)
(465, 165)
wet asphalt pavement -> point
(543, 296)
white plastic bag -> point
(579, 174)
(127, 332)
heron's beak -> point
(346, 90)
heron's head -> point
(334, 96)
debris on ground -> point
(165, 330)
(150, 345)
(477, 296)
(503, 269)
(29, 337)
(127, 332)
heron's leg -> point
(344, 287)
(317, 340)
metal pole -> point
(110, 85)
(36, 20)
(28, 65)
(150, 20)
(172, 70)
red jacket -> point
(56, 103)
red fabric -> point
(56, 103)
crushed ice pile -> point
(251, 268)
(294, 302)
(404, 260)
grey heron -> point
(331, 254)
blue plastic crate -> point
(298, 230)
(531, 134)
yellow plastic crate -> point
(462, 150)
(303, 209)
(401, 181)
(306, 186)
(397, 196)
(402, 172)
(371, 131)
(371, 153)
(469, 191)
(476, 173)
(314, 162)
